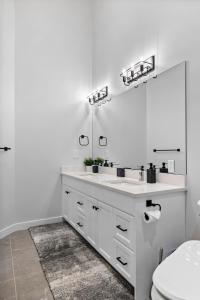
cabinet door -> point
(65, 203)
(69, 205)
(91, 222)
(125, 261)
(105, 230)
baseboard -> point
(25, 225)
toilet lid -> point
(178, 276)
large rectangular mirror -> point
(145, 124)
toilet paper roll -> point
(152, 216)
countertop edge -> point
(127, 193)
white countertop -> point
(124, 185)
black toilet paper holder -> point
(149, 203)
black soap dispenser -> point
(163, 169)
(141, 173)
(120, 172)
(151, 174)
(106, 163)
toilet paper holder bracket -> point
(149, 203)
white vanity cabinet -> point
(112, 221)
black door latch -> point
(5, 148)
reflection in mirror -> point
(166, 122)
(142, 119)
(123, 122)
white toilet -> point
(178, 276)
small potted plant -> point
(88, 162)
(99, 161)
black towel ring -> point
(103, 141)
(82, 137)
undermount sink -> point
(124, 182)
(96, 176)
(104, 179)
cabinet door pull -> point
(122, 229)
(67, 192)
(95, 207)
(121, 262)
(80, 203)
(79, 224)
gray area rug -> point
(74, 270)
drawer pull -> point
(122, 229)
(121, 262)
(80, 203)
(67, 192)
(79, 224)
(95, 207)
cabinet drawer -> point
(78, 185)
(81, 203)
(125, 261)
(125, 228)
(80, 224)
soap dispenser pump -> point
(163, 169)
(151, 174)
(141, 173)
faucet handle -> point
(115, 164)
(140, 167)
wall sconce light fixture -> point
(99, 97)
(139, 70)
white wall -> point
(126, 30)
(53, 75)
(7, 115)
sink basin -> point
(105, 179)
(96, 176)
(125, 182)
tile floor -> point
(21, 275)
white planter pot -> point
(88, 169)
